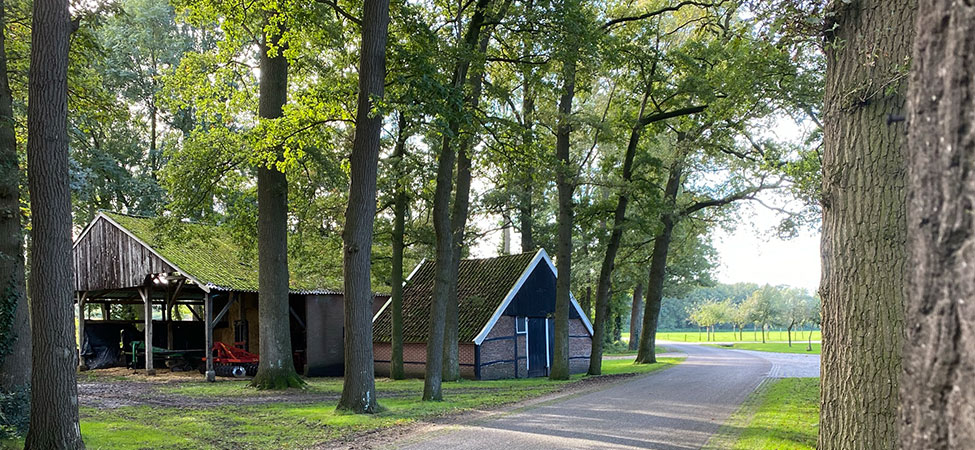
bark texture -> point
(868, 46)
(400, 203)
(646, 353)
(359, 387)
(565, 184)
(937, 400)
(54, 393)
(276, 369)
(14, 323)
(636, 317)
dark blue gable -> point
(536, 298)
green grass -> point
(658, 350)
(292, 425)
(776, 347)
(781, 414)
(728, 336)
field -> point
(775, 347)
(782, 414)
(238, 417)
(728, 336)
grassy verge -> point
(781, 414)
(291, 425)
(728, 336)
(657, 350)
(775, 347)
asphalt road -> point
(677, 408)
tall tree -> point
(14, 324)
(442, 225)
(276, 369)
(939, 352)
(400, 205)
(461, 206)
(54, 389)
(359, 388)
(636, 317)
(571, 17)
(868, 48)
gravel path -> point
(677, 408)
(788, 365)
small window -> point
(521, 325)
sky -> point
(749, 253)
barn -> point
(505, 324)
(193, 286)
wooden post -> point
(81, 297)
(147, 301)
(208, 327)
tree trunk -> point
(54, 389)
(461, 207)
(276, 369)
(443, 230)
(789, 331)
(400, 204)
(359, 387)
(864, 224)
(612, 247)
(658, 268)
(937, 402)
(14, 321)
(636, 317)
(565, 183)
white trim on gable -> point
(539, 256)
(390, 301)
(204, 287)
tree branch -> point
(606, 26)
(651, 118)
(335, 6)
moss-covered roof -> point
(207, 253)
(482, 286)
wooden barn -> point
(193, 286)
(506, 319)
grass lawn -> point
(776, 347)
(728, 336)
(294, 425)
(782, 414)
(657, 350)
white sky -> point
(749, 253)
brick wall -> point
(498, 346)
(415, 357)
(580, 345)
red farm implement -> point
(233, 362)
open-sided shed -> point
(505, 321)
(196, 271)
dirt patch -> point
(118, 387)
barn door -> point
(537, 348)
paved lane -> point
(678, 408)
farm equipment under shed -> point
(233, 362)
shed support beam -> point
(223, 312)
(81, 297)
(146, 295)
(208, 327)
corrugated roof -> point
(482, 286)
(207, 253)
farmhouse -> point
(506, 319)
(193, 286)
